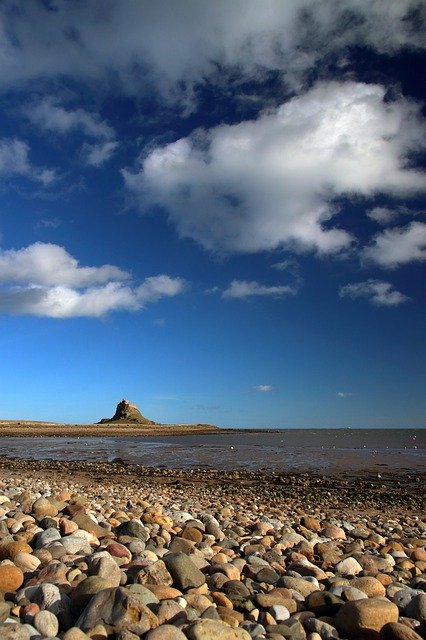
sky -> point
(215, 210)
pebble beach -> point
(121, 552)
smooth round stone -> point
(9, 550)
(46, 623)
(215, 630)
(11, 577)
(348, 593)
(369, 585)
(279, 612)
(74, 545)
(348, 567)
(43, 507)
(334, 532)
(143, 594)
(365, 618)
(417, 608)
(14, 632)
(166, 632)
(47, 537)
(398, 631)
(26, 561)
(403, 597)
(75, 634)
(325, 630)
(132, 529)
(87, 588)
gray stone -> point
(325, 630)
(417, 608)
(117, 609)
(215, 630)
(47, 536)
(46, 623)
(14, 632)
(74, 545)
(143, 594)
(102, 564)
(132, 529)
(183, 571)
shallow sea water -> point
(284, 450)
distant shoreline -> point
(37, 428)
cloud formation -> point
(345, 394)
(399, 245)
(48, 115)
(136, 43)
(376, 291)
(248, 289)
(45, 280)
(263, 388)
(14, 161)
(271, 182)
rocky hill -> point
(127, 412)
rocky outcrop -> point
(126, 413)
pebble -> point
(162, 562)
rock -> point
(44, 507)
(311, 523)
(155, 573)
(398, 631)
(365, 618)
(348, 567)
(75, 634)
(87, 588)
(86, 523)
(132, 529)
(11, 577)
(215, 630)
(334, 532)
(185, 574)
(325, 630)
(103, 565)
(46, 623)
(369, 585)
(75, 545)
(26, 561)
(416, 608)
(127, 412)
(8, 550)
(166, 632)
(323, 603)
(117, 608)
(143, 594)
(14, 632)
(304, 587)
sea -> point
(286, 450)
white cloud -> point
(14, 161)
(98, 153)
(247, 289)
(268, 183)
(263, 388)
(345, 394)
(376, 291)
(48, 115)
(131, 42)
(45, 280)
(399, 245)
(49, 264)
(383, 215)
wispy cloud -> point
(49, 115)
(15, 162)
(263, 388)
(248, 289)
(375, 291)
(345, 394)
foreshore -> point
(25, 428)
(113, 551)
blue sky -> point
(214, 209)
